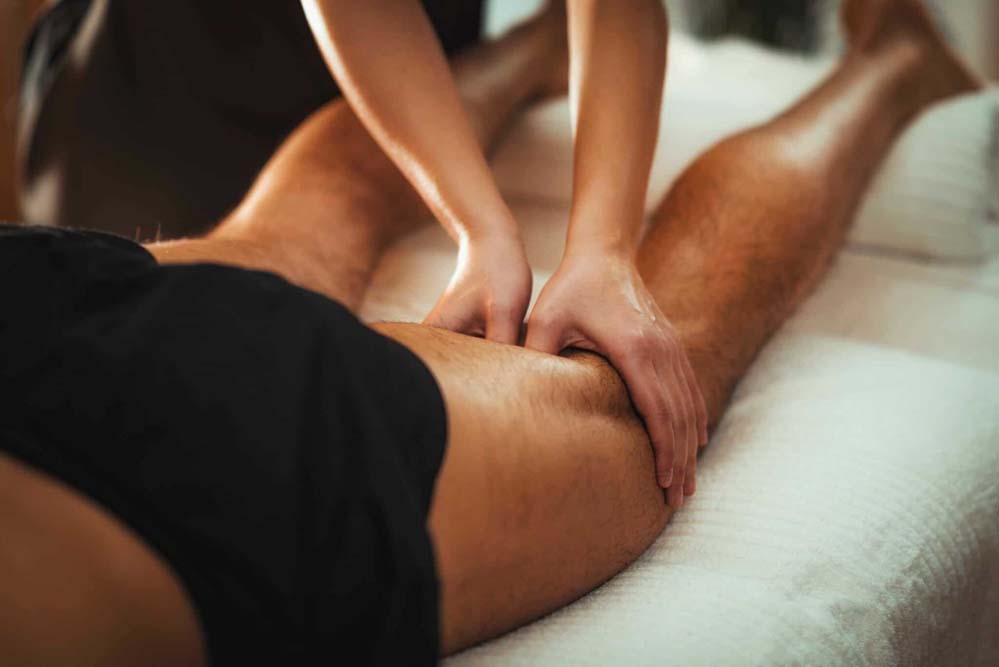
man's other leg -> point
(750, 227)
(329, 201)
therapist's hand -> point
(600, 303)
(490, 290)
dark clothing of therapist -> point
(155, 117)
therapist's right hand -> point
(489, 291)
(597, 301)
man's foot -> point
(905, 28)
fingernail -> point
(667, 478)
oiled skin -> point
(617, 60)
(547, 488)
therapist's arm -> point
(596, 299)
(393, 72)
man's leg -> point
(750, 227)
(548, 487)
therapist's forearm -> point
(388, 62)
(618, 55)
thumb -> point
(543, 337)
(435, 318)
(503, 326)
(445, 315)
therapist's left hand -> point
(489, 291)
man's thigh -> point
(547, 487)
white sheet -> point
(848, 507)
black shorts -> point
(278, 454)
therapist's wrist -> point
(599, 246)
(497, 228)
(595, 233)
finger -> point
(435, 319)
(503, 326)
(542, 337)
(688, 417)
(689, 420)
(674, 496)
(657, 413)
(671, 385)
(702, 421)
(653, 406)
(699, 404)
(690, 481)
(443, 316)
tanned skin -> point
(596, 299)
(548, 486)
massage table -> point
(847, 509)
